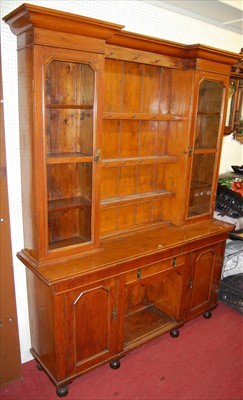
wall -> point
(137, 16)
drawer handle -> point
(174, 262)
(139, 273)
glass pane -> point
(69, 204)
(69, 103)
(201, 184)
(208, 114)
(69, 132)
(69, 83)
(69, 97)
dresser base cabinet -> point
(106, 305)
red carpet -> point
(204, 363)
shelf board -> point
(67, 242)
(212, 114)
(195, 211)
(201, 150)
(145, 321)
(138, 161)
(64, 158)
(70, 106)
(67, 204)
(141, 116)
(134, 198)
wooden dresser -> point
(120, 146)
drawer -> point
(154, 268)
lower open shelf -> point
(145, 321)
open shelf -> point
(144, 321)
(152, 303)
(133, 199)
(116, 162)
(141, 116)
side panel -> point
(46, 313)
(27, 154)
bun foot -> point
(62, 391)
(207, 314)
(115, 364)
(174, 333)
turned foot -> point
(174, 333)
(62, 391)
(115, 364)
(207, 314)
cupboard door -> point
(69, 108)
(205, 272)
(68, 96)
(91, 325)
(204, 151)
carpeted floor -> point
(204, 363)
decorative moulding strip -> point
(145, 43)
(28, 16)
(211, 54)
(63, 39)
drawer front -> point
(154, 268)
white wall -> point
(137, 16)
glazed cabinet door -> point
(68, 189)
(90, 325)
(203, 283)
(204, 150)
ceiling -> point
(227, 14)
